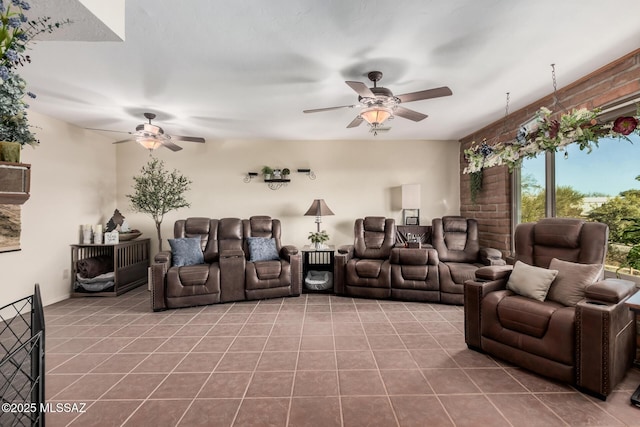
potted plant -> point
(285, 173)
(157, 191)
(318, 238)
(267, 172)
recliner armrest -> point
(610, 290)
(491, 256)
(340, 260)
(605, 335)
(162, 257)
(474, 293)
(494, 272)
(287, 251)
(346, 249)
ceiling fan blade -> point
(124, 140)
(170, 145)
(409, 114)
(108, 130)
(318, 110)
(355, 122)
(361, 89)
(188, 138)
(425, 94)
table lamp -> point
(319, 209)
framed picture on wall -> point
(412, 220)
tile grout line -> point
(244, 395)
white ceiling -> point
(245, 69)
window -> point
(599, 186)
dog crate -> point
(22, 365)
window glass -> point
(532, 189)
(602, 186)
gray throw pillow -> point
(262, 249)
(530, 281)
(186, 251)
(573, 278)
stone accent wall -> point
(617, 80)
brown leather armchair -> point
(274, 278)
(227, 273)
(455, 238)
(589, 345)
(363, 269)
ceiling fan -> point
(380, 104)
(151, 136)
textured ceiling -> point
(247, 68)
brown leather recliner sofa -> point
(586, 339)
(227, 272)
(373, 267)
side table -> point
(634, 305)
(317, 260)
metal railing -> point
(22, 365)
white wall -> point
(355, 178)
(72, 182)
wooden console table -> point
(130, 265)
(634, 305)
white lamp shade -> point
(376, 115)
(149, 143)
(411, 196)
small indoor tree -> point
(158, 191)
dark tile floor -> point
(316, 360)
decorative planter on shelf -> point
(10, 151)
(15, 182)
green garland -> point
(475, 183)
(547, 134)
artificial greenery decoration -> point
(16, 32)
(318, 238)
(475, 183)
(548, 134)
(158, 191)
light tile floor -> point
(315, 360)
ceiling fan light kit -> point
(375, 116)
(379, 104)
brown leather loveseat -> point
(572, 325)
(227, 271)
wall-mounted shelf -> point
(309, 173)
(276, 184)
(250, 176)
